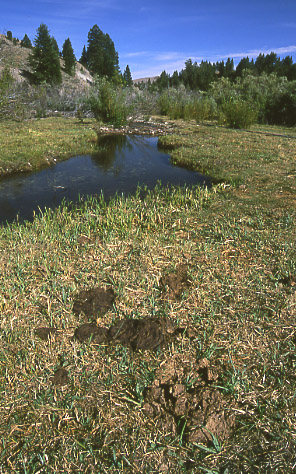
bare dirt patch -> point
(182, 399)
(83, 239)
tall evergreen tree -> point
(287, 68)
(83, 58)
(175, 80)
(188, 75)
(55, 45)
(220, 67)
(102, 58)
(26, 42)
(9, 35)
(44, 58)
(95, 51)
(272, 63)
(163, 81)
(260, 64)
(229, 68)
(69, 57)
(242, 66)
(127, 76)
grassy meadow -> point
(30, 145)
(219, 396)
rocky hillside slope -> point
(16, 58)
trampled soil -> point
(183, 398)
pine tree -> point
(229, 68)
(44, 58)
(127, 76)
(242, 66)
(9, 35)
(68, 57)
(26, 42)
(55, 45)
(102, 58)
(175, 80)
(95, 51)
(83, 58)
(163, 81)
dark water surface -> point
(122, 163)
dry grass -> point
(237, 242)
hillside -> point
(145, 80)
(16, 58)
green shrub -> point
(6, 81)
(107, 103)
(201, 109)
(237, 114)
(271, 96)
(282, 109)
(172, 102)
(179, 103)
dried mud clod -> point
(60, 377)
(138, 334)
(182, 393)
(46, 333)
(94, 302)
(174, 283)
(142, 334)
(91, 332)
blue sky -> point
(161, 35)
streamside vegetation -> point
(255, 91)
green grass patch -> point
(33, 144)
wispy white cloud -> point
(135, 54)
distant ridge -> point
(145, 79)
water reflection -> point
(110, 147)
(119, 165)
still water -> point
(119, 166)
